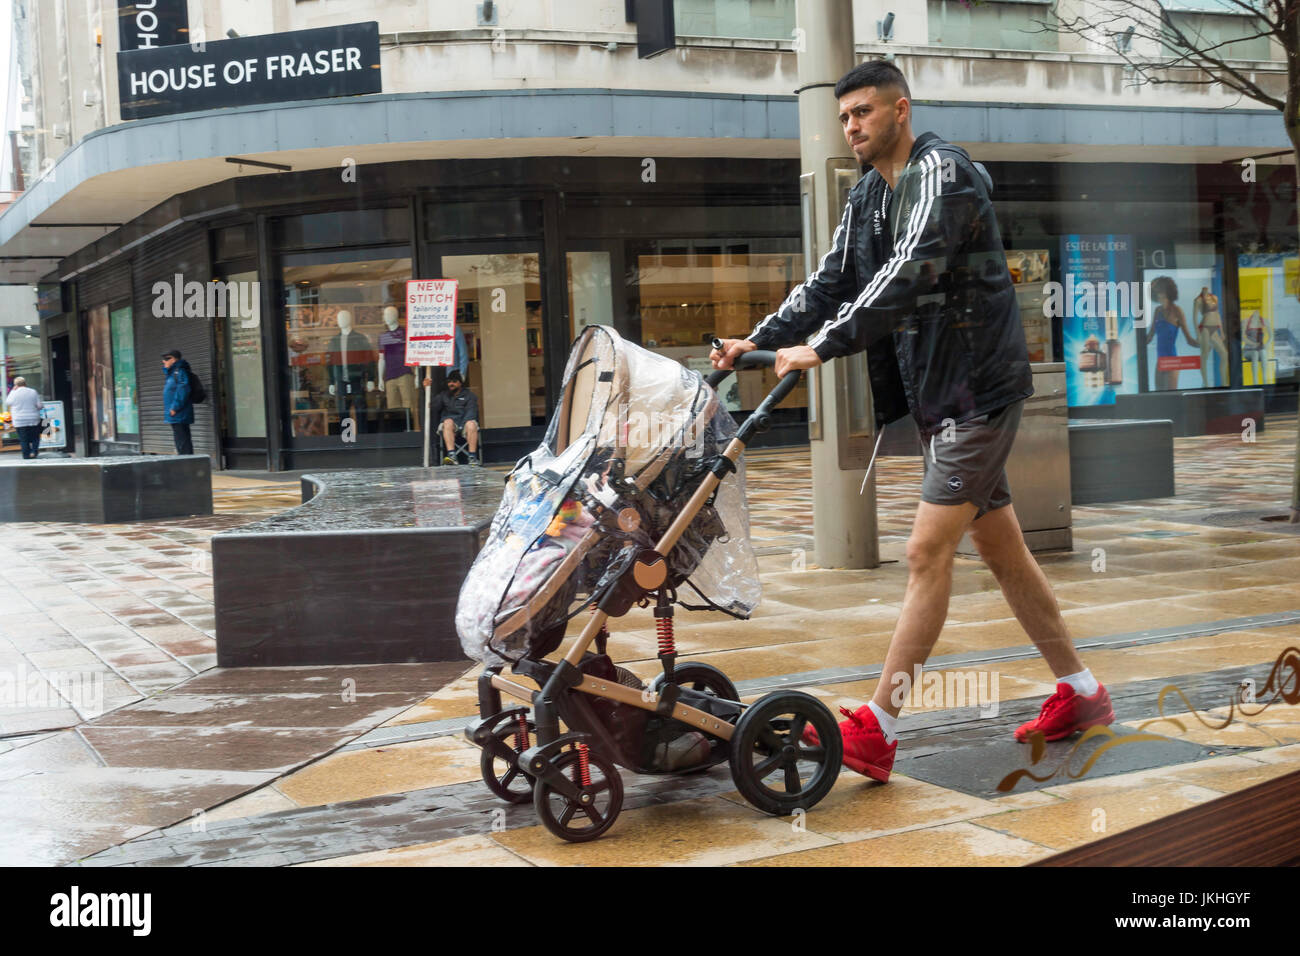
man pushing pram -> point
(917, 277)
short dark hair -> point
(1164, 285)
(454, 376)
(877, 73)
(174, 353)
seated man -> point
(457, 410)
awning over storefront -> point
(118, 173)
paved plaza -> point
(121, 743)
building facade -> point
(255, 183)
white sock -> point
(887, 723)
(1083, 682)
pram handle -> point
(756, 358)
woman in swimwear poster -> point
(1173, 348)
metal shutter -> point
(104, 286)
(183, 250)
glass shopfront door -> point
(501, 315)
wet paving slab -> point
(949, 767)
(210, 739)
(153, 582)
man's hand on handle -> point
(796, 358)
(731, 350)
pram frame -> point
(647, 575)
(645, 700)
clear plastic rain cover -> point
(632, 438)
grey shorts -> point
(971, 466)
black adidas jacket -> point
(917, 277)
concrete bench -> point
(366, 571)
(1120, 460)
(106, 490)
(1216, 411)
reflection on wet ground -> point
(110, 628)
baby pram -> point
(635, 498)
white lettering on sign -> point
(177, 78)
(146, 24)
(239, 71)
(291, 66)
(143, 23)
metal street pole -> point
(428, 410)
(841, 416)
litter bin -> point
(1038, 470)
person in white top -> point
(25, 405)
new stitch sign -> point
(431, 321)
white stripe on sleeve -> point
(930, 188)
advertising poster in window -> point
(1186, 345)
(1098, 300)
(55, 434)
(125, 407)
(1270, 317)
(99, 362)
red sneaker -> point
(865, 750)
(1066, 713)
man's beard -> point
(880, 144)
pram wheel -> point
(502, 774)
(771, 766)
(571, 820)
(702, 677)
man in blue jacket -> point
(178, 410)
(916, 276)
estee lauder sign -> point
(144, 24)
(302, 65)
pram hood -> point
(628, 443)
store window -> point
(689, 291)
(20, 354)
(500, 315)
(1003, 25)
(99, 365)
(342, 310)
(739, 19)
(1269, 297)
(591, 291)
(1130, 295)
(126, 408)
(240, 333)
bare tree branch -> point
(1186, 52)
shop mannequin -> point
(1209, 332)
(396, 379)
(1254, 334)
(350, 354)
